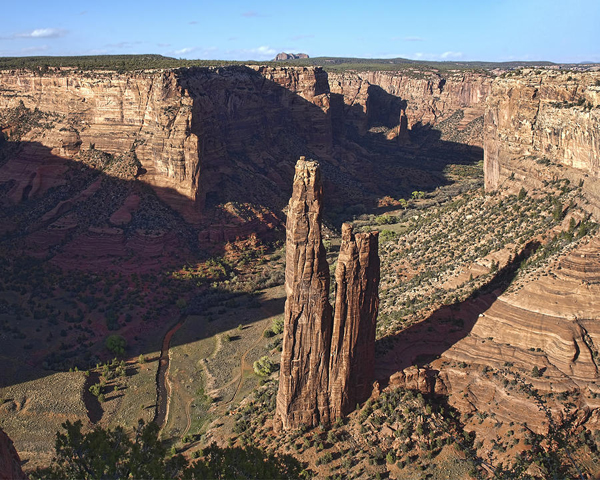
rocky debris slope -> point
(10, 463)
(326, 360)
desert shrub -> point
(277, 326)
(116, 344)
(264, 366)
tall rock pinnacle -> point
(304, 376)
(326, 360)
(356, 304)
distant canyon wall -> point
(201, 133)
(362, 100)
(545, 125)
(192, 129)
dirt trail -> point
(163, 386)
(243, 364)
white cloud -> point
(185, 50)
(264, 50)
(453, 55)
(198, 52)
(43, 33)
(436, 56)
(250, 14)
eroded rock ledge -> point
(327, 358)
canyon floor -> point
(454, 260)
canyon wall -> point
(327, 359)
(363, 100)
(193, 130)
(212, 136)
(544, 125)
(146, 112)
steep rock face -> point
(327, 360)
(356, 305)
(192, 130)
(10, 463)
(147, 112)
(376, 98)
(303, 380)
(541, 125)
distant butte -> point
(289, 56)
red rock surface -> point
(426, 97)
(303, 379)
(544, 125)
(10, 463)
(327, 361)
(356, 306)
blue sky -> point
(494, 30)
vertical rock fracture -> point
(327, 359)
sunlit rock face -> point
(327, 360)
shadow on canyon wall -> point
(423, 342)
(253, 130)
(60, 213)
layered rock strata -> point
(303, 381)
(356, 305)
(368, 99)
(327, 359)
(544, 125)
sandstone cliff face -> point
(326, 360)
(356, 305)
(540, 126)
(377, 98)
(147, 112)
(10, 463)
(192, 130)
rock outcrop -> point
(289, 56)
(303, 381)
(10, 463)
(326, 360)
(356, 305)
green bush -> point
(264, 366)
(116, 344)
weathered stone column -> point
(303, 379)
(356, 304)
